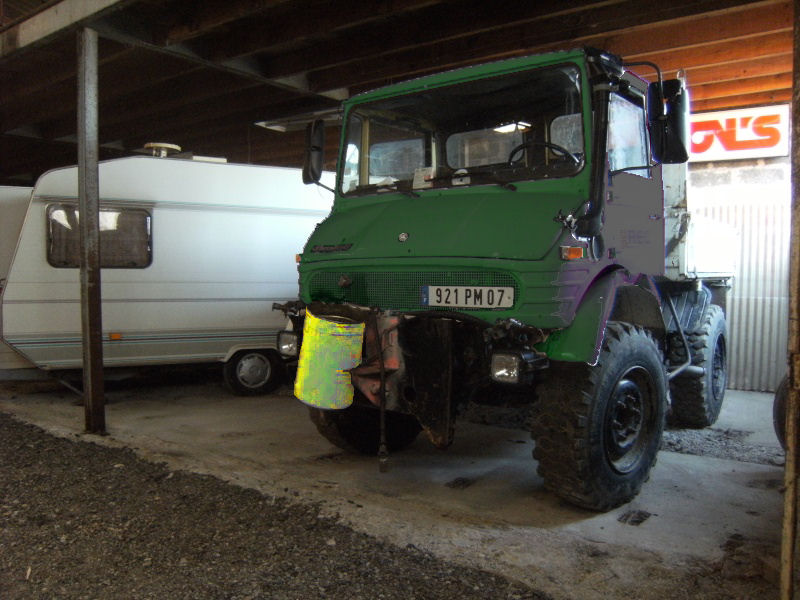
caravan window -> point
(125, 237)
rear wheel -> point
(697, 399)
(779, 411)
(598, 429)
(252, 372)
(357, 428)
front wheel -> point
(253, 372)
(357, 428)
(598, 429)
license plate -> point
(464, 296)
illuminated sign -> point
(735, 134)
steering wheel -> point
(560, 150)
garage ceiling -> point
(201, 73)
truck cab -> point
(499, 230)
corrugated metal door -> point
(755, 199)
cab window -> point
(627, 138)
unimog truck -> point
(514, 231)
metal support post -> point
(89, 210)
(789, 538)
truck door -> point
(634, 215)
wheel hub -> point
(253, 370)
(625, 423)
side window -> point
(125, 237)
(350, 174)
(627, 140)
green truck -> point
(516, 230)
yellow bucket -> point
(331, 347)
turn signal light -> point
(571, 253)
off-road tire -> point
(357, 428)
(779, 411)
(697, 399)
(592, 448)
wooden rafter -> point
(201, 73)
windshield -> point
(513, 127)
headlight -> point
(288, 343)
(517, 367)
(505, 367)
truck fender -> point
(611, 297)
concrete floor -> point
(502, 519)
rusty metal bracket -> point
(383, 448)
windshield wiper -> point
(393, 187)
(379, 188)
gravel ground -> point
(80, 520)
(84, 520)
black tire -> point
(779, 411)
(357, 428)
(598, 429)
(697, 399)
(253, 372)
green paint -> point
(393, 236)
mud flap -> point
(430, 368)
(331, 347)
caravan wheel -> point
(252, 372)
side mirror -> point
(667, 108)
(314, 156)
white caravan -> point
(13, 205)
(193, 256)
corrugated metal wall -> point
(754, 197)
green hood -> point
(481, 222)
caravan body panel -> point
(222, 244)
(13, 205)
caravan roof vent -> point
(161, 149)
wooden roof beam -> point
(46, 25)
(732, 71)
(475, 19)
(41, 76)
(753, 85)
(743, 101)
(723, 53)
(134, 73)
(207, 16)
(301, 24)
(549, 34)
(140, 103)
(137, 31)
(697, 30)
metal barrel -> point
(331, 347)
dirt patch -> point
(79, 520)
(730, 444)
(721, 443)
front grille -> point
(398, 290)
